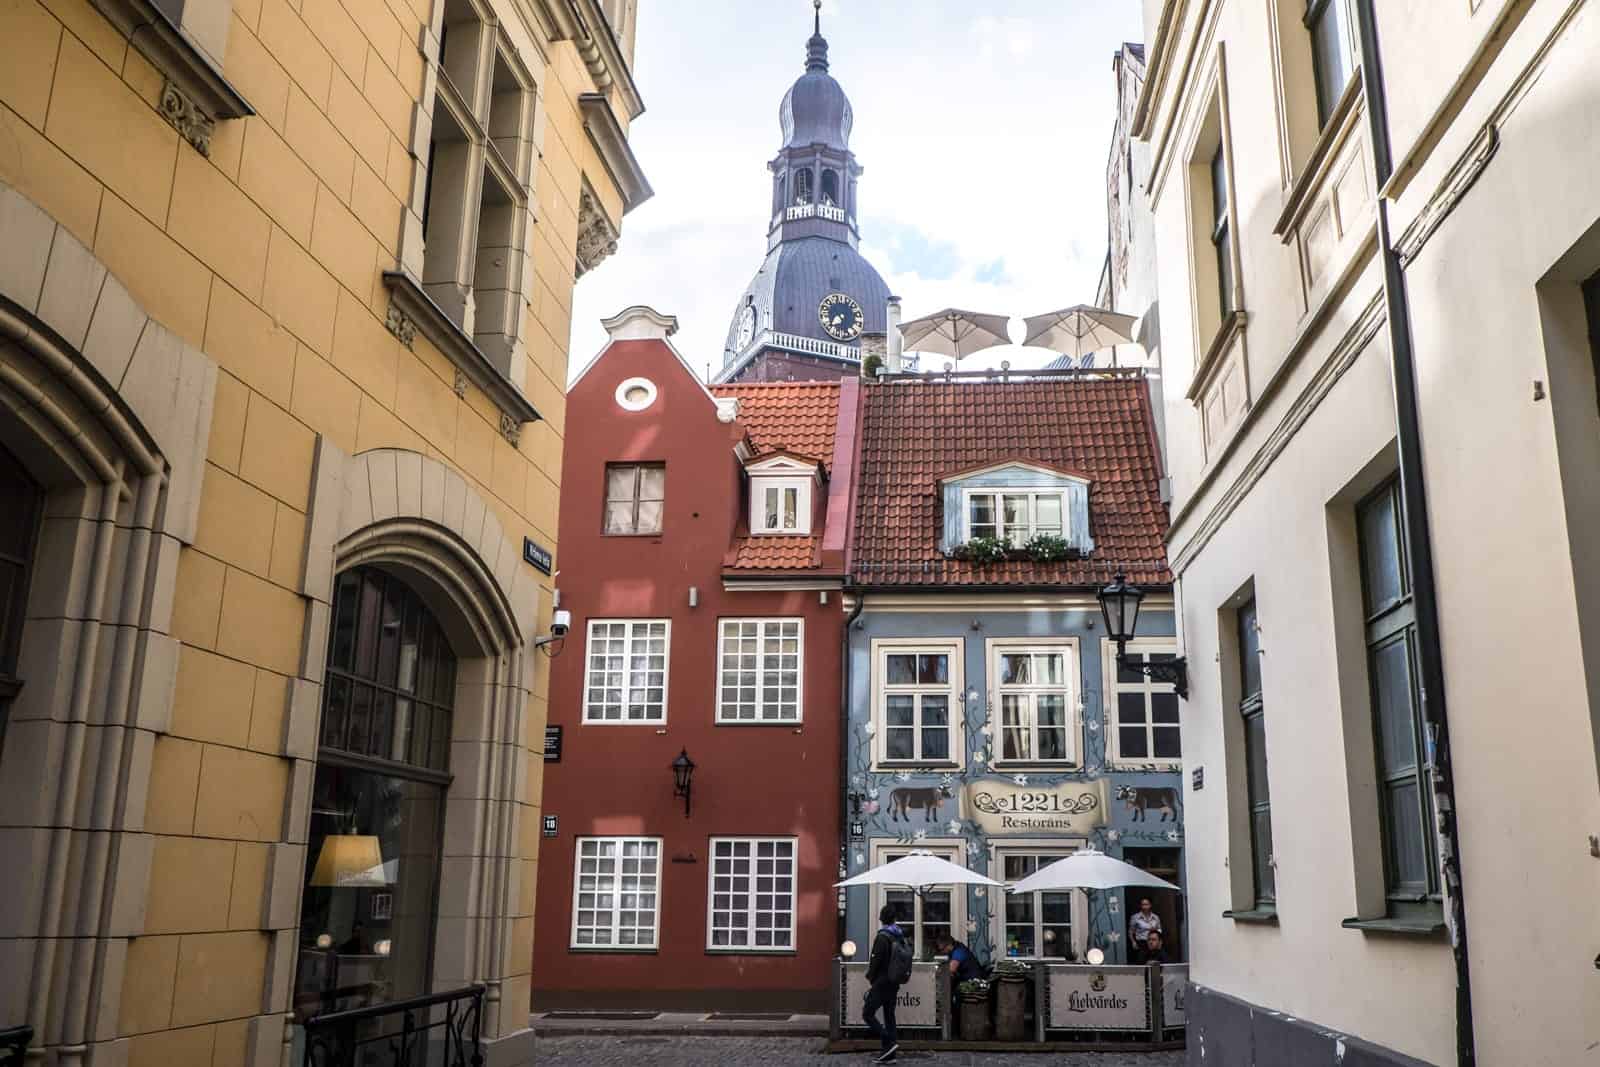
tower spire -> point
(817, 47)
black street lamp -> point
(1119, 603)
(682, 769)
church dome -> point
(815, 109)
(786, 294)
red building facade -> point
(702, 557)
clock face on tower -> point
(747, 325)
(841, 317)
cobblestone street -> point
(659, 1051)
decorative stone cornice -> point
(412, 311)
(179, 108)
(584, 24)
(1461, 177)
(597, 237)
(206, 94)
(607, 135)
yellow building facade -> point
(285, 297)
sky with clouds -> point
(982, 127)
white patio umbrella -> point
(1088, 869)
(918, 871)
(953, 332)
(1079, 330)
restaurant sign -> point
(1098, 998)
(1174, 988)
(916, 1006)
(1000, 806)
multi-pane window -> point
(1259, 795)
(615, 892)
(1221, 231)
(1016, 516)
(627, 676)
(781, 505)
(636, 496)
(1145, 726)
(752, 894)
(19, 522)
(918, 700)
(391, 675)
(923, 916)
(1034, 696)
(1037, 925)
(1405, 794)
(475, 207)
(1331, 57)
(760, 673)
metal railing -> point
(438, 1030)
(14, 1045)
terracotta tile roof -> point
(797, 416)
(772, 553)
(915, 433)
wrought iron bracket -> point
(1174, 671)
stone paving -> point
(584, 1050)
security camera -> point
(560, 623)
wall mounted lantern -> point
(682, 771)
(1119, 603)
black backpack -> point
(900, 960)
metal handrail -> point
(336, 1038)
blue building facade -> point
(987, 720)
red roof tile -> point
(916, 432)
(771, 552)
(797, 416)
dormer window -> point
(782, 505)
(1015, 515)
(781, 494)
(1015, 502)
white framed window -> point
(780, 505)
(616, 893)
(1141, 714)
(924, 916)
(635, 394)
(1034, 697)
(1014, 515)
(760, 665)
(751, 894)
(626, 680)
(1042, 925)
(636, 495)
(917, 702)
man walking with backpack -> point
(888, 968)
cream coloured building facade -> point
(1321, 907)
(285, 294)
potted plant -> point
(974, 1022)
(983, 550)
(1011, 999)
(1048, 548)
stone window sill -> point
(1425, 924)
(1267, 916)
(196, 94)
(413, 311)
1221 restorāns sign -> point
(1000, 806)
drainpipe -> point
(844, 752)
(1413, 493)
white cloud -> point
(984, 139)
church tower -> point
(803, 315)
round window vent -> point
(636, 394)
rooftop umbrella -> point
(953, 332)
(1079, 330)
(918, 871)
(1087, 869)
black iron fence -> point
(438, 1030)
(14, 1045)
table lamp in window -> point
(350, 861)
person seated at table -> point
(1154, 952)
(964, 963)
